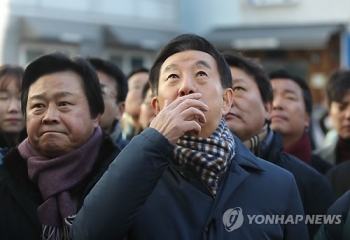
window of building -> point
(30, 51)
(129, 60)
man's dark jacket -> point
(20, 197)
(145, 194)
(315, 190)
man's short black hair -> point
(253, 68)
(186, 42)
(59, 62)
(137, 70)
(111, 69)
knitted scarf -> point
(209, 157)
(253, 143)
(301, 149)
(55, 177)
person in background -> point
(339, 177)
(114, 90)
(44, 181)
(12, 126)
(291, 112)
(130, 120)
(337, 230)
(187, 176)
(147, 113)
(337, 150)
(338, 95)
(249, 119)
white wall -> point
(303, 12)
(198, 16)
(155, 13)
(205, 14)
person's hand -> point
(183, 115)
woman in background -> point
(12, 126)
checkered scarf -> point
(253, 143)
(209, 157)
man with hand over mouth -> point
(190, 178)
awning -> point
(65, 31)
(142, 37)
(273, 37)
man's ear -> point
(268, 110)
(307, 120)
(155, 105)
(227, 99)
(96, 120)
(121, 109)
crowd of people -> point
(193, 148)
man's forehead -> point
(286, 84)
(188, 58)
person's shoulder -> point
(341, 167)
(244, 157)
(341, 205)
(274, 170)
(339, 173)
(295, 165)
(320, 164)
(12, 167)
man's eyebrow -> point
(57, 95)
(237, 80)
(169, 67)
(290, 91)
(203, 63)
(287, 91)
(198, 63)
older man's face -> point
(58, 115)
(248, 112)
(194, 72)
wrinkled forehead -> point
(188, 59)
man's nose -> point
(187, 87)
(277, 102)
(51, 114)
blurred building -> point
(127, 32)
(308, 37)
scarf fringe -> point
(55, 233)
